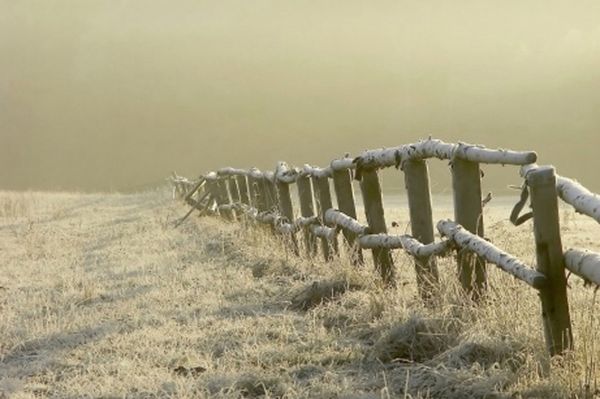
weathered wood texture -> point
(224, 199)
(243, 189)
(416, 180)
(259, 194)
(342, 183)
(270, 191)
(323, 201)
(550, 260)
(468, 212)
(194, 189)
(286, 209)
(467, 240)
(255, 192)
(584, 263)
(307, 210)
(373, 202)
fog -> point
(113, 95)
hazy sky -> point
(113, 95)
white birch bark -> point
(285, 174)
(406, 242)
(337, 218)
(211, 176)
(315, 171)
(255, 173)
(490, 253)
(438, 149)
(229, 171)
(573, 193)
(323, 231)
(584, 263)
(420, 250)
(342, 164)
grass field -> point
(100, 296)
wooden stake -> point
(342, 183)
(270, 194)
(234, 192)
(550, 260)
(285, 206)
(468, 212)
(243, 189)
(224, 199)
(371, 193)
(323, 200)
(416, 179)
(305, 195)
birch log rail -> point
(265, 198)
(491, 253)
(584, 263)
(572, 193)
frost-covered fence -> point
(266, 198)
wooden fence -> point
(266, 198)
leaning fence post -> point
(468, 212)
(243, 189)
(550, 260)
(211, 187)
(323, 195)
(373, 202)
(224, 198)
(305, 196)
(234, 192)
(285, 206)
(416, 179)
(342, 183)
(233, 189)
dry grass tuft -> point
(415, 340)
(319, 292)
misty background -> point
(113, 95)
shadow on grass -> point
(35, 356)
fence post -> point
(468, 212)
(224, 198)
(323, 197)
(233, 189)
(254, 192)
(243, 189)
(235, 194)
(211, 187)
(550, 260)
(305, 195)
(416, 179)
(342, 183)
(270, 193)
(285, 206)
(371, 193)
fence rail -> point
(266, 198)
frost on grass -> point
(415, 340)
(319, 292)
(101, 297)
